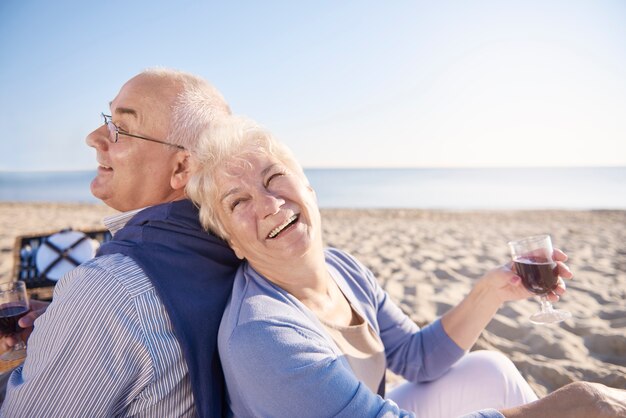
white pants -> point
(480, 380)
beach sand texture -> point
(428, 261)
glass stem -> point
(546, 306)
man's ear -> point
(183, 169)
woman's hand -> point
(464, 322)
(37, 308)
(507, 285)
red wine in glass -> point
(532, 261)
(14, 304)
(539, 275)
(9, 316)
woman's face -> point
(268, 210)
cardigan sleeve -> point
(484, 413)
(419, 355)
(278, 367)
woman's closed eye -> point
(236, 202)
(273, 177)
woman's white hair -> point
(197, 105)
(230, 140)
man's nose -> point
(98, 138)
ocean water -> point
(449, 189)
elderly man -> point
(133, 331)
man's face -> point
(134, 173)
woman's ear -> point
(235, 249)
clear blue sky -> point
(344, 83)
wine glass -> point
(532, 260)
(13, 305)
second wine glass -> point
(13, 305)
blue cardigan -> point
(278, 360)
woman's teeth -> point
(279, 228)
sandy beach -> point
(428, 260)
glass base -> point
(552, 316)
(13, 355)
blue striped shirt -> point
(104, 347)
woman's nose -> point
(269, 204)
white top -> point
(362, 348)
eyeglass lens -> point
(111, 127)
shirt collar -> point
(116, 222)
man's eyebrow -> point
(124, 110)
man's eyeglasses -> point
(115, 132)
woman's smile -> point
(285, 226)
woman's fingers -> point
(564, 271)
(560, 287)
(555, 294)
(559, 255)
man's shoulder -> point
(108, 262)
(108, 273)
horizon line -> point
(350, 167)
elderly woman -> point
(308, 331)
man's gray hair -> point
(197, 105)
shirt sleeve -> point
(85, 355)
(279, 368)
